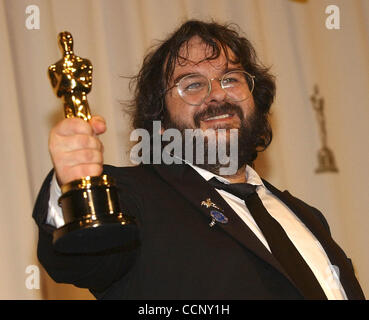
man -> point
(198, 239)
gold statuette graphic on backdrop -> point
(91, 210)
(326, 162)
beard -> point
(254, 135)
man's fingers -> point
(73, 126)
(75, 148)
(77, 142)
(81, 157)
(79, 171)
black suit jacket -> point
(180, 256)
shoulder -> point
(317, 213)
(298, 204)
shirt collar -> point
(251, 175)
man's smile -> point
(222, 117)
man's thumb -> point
(98, 124)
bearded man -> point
(202, 234)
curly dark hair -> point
(151, 83)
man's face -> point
(186, 116)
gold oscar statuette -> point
(93, 219)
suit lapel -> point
(196, 189)
(335, 254)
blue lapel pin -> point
(217, 216)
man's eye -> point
(230, 80)
(194, 86)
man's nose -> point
(217, 93)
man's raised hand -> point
(75, 148)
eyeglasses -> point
(195, 88)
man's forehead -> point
(196, 52)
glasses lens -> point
(193, 88)
(238, 85)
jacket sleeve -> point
(93, 271)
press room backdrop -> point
(290, 36)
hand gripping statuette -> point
(91, 210)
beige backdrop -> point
(291, 36)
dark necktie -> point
(281, 246)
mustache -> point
(214, 111)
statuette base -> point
(92, 216)
(90, 236)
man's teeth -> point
(218, 117)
